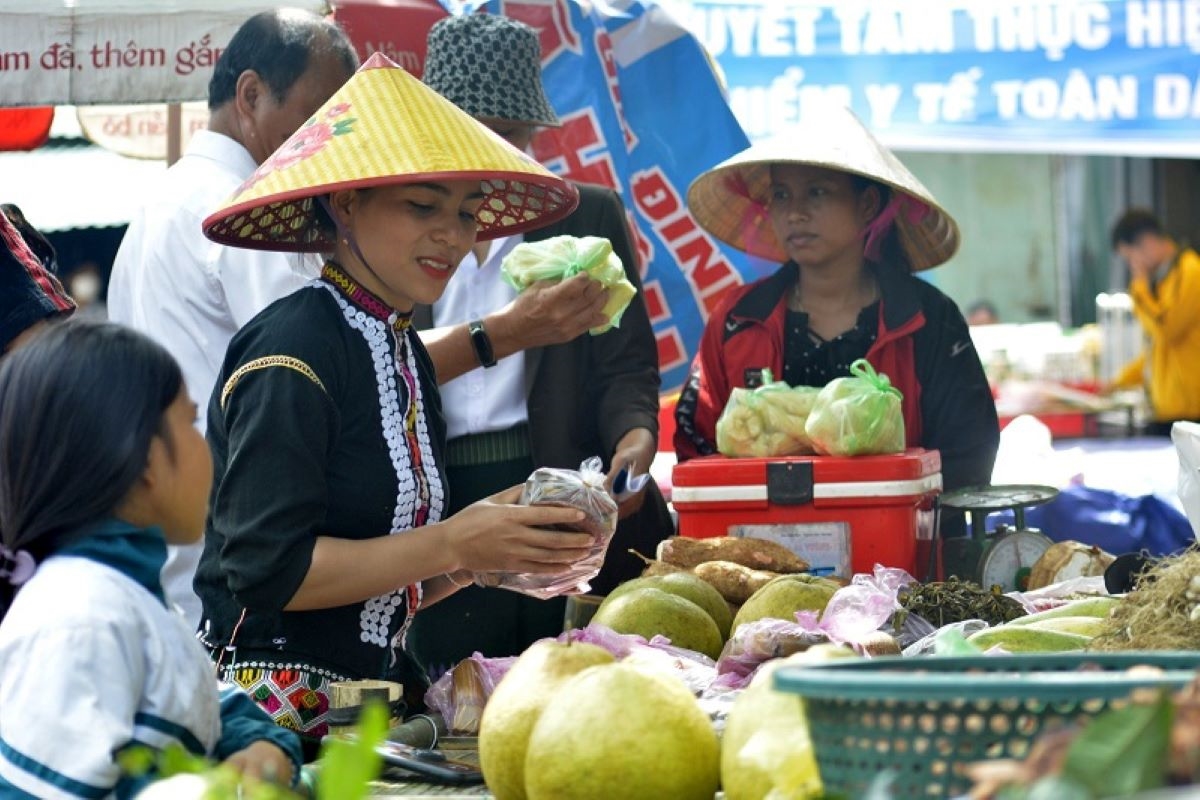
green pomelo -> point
(1099, 607)
(784, 596)
(1084, 626)
(518, 701)
(617, 731)
(689, 587)
(650, 612)
(1027, 639)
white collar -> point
(222, 149)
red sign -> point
(396, 28)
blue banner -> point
(1057, 76)
(642, 113)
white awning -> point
(116, 51)
(79, 185)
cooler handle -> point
(789, 483)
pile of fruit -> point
(571, 720)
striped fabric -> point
(488, 448)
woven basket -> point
(925, 718)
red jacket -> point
(922, 345)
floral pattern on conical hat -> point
(385, 127)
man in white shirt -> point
(171, 282)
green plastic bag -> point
(562, 257)
(767, 421)
(857, 415)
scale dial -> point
(1008, 559)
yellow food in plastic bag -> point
(767, 421)
(562, 257)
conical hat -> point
(385, 127)
(729, 200)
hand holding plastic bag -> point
(858, 415)
(562, 257)
(766, 421)
(584, 490)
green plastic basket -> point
(925, 718)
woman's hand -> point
(496, 535)
(548, 313)
(263, 761)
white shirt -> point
(491, 399)
(186, 292)
(192, 295)
(111, 665)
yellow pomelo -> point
(618, 731)
(518, 701)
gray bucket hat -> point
(489, 66)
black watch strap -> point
(482, 343)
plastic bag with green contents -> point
(562, 257)
(857, 415)
(767, 421)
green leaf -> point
(136, 761)
(1123, 751)
(349, 765)
(175, 760)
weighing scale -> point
(1002, 557)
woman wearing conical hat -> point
(851, 225)
(326, 532)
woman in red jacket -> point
(851, 225)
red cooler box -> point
(843, 515)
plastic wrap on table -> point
(562, 257)
(857, 415)
(766, 421)
(856, 612)
(908, 629)
(582, 489)
(461, 693)
(696, 670)
(759, 641)
(948, 640)
(1061, 593)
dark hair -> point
(984, 306)
(278, 46)
(1132, 224)
(38, 243)
(79, 406)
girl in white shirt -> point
(100, 468)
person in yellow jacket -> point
(1165, 289)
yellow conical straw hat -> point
(729, 200)
(385, 127)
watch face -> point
(1008, 561)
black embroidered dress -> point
(326, 422)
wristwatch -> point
(482, 343)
